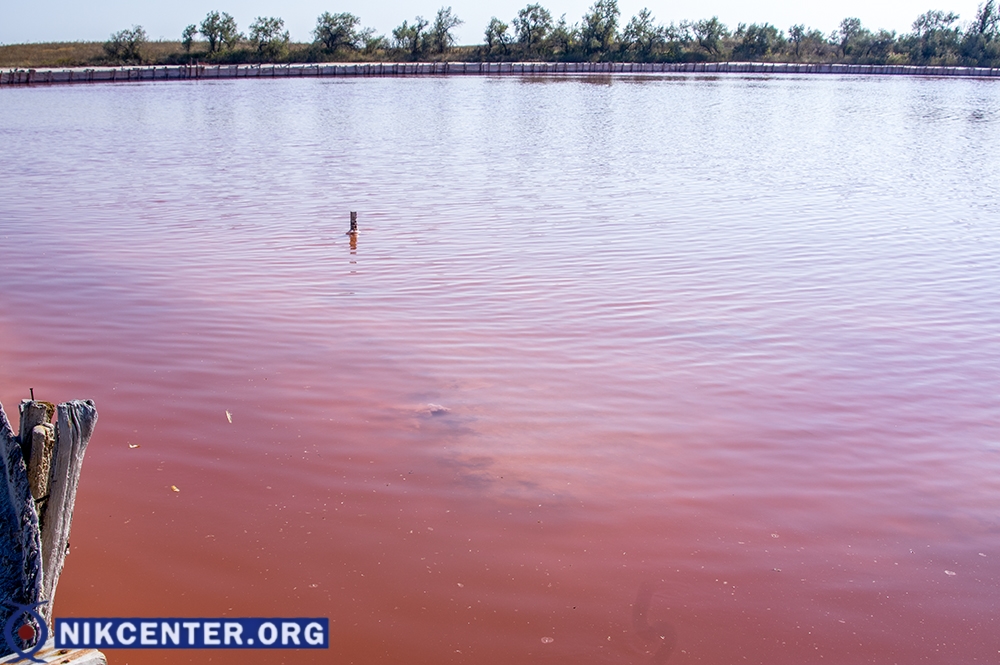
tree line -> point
(937, 38)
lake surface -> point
(686, 369)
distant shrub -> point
(187, 37)
(336, 32)
(126, 46)
(269, 38)
(221, 32)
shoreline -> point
(124, 74)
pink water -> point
(715, 359)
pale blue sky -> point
(70, 20)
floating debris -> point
(548, 640)
(950, 573)
(133, 445)
(229, 416)
(175, 488)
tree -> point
(563, 38)
(796, 35)
(981, 45)
(709, 33)
(933, 21)
(337, 31)
(269, 38)
(440, 36)
(600, 28)
(934, 38)
(533, 24)
(987, 21)
(641, 36)
(126, 45)
(411, 38)
(880, 46)
(756, 41)
(220, 31)
(496, 35)
(849, 34)
(680, 33)
(187, 37)
(675, 38)
(815, 43)
(371, 42)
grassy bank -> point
(93, 54)
(54, 54)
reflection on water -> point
(636, 369)
(660, 634)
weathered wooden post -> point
(20, 542)
(41, 469)
(353, 233)
(74, 425)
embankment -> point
(182, 72)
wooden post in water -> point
(41, 469)
(20, 544)
(354, 222)
(74, 425)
